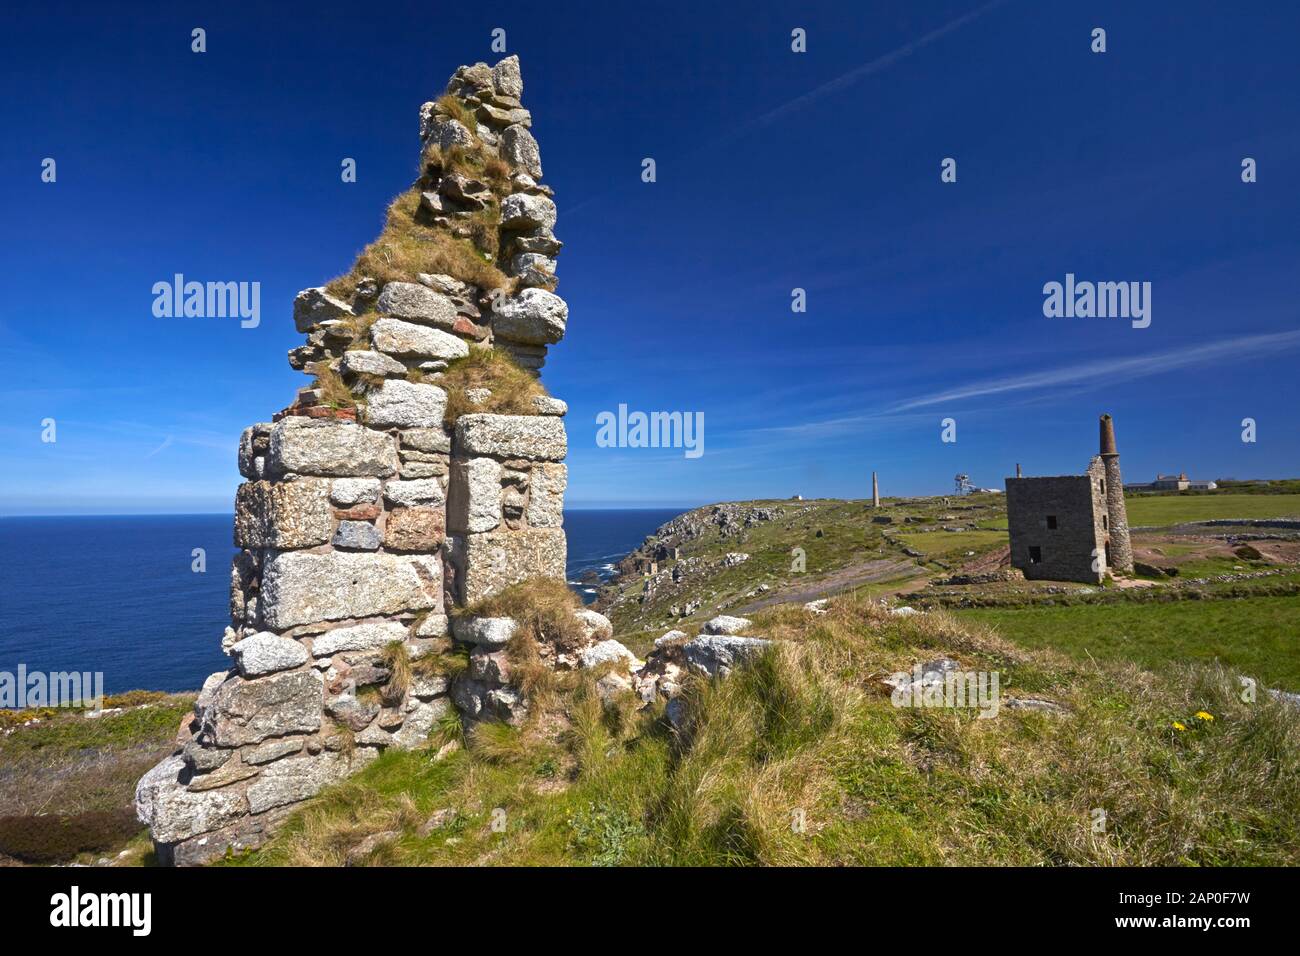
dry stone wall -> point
(367, 515)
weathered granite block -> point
(297, 778)
(519, 149)
(253, 445)
(361, 362)
(408, 494)
(283, 514)
(173, 813)
(415, 529)
(266, 653)
(526, 211)
(546, 405)
(546, 495)
(490, 632)
(533, 317)
(415, 303)
(311, 307)
(303, 588)
(401, 404)
(395, 337)
(497, 559)
(474, 495)
(431, 440)
(358, 637)
(533, 437)
(330, 448)
(346, 492)
(248, 711)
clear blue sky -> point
(775, 170)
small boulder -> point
(725, 624)
(596, 627)
(609, 651)
(718, 655)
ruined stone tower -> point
(1119, 550)
(422, 469)
(1071, 527)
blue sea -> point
(117, 593)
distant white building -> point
(1179, 482)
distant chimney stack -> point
(1018, 469)
(1108, 437)
(875, 491)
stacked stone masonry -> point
(359, 529)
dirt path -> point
(845, 579)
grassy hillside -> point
(794, 550)
(802, 759)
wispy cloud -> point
(1081, 377)
(1107, 371)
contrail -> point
(867, 69)
(833, 86)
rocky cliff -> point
(421, 471)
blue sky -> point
(775, 170)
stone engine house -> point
(1072, 527)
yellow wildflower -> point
(1202, 715)
(1179, 726)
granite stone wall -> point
(367, 512)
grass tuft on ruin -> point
(406, 247)
(513, 388)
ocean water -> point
(118, 594)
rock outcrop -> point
(370, 510)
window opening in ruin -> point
(1035, 555)
(1051, 522)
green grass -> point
(798, 760)
(67, 782)
(1256, 636)
(939, 543)
(1165, 510)
(70, 734)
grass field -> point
(1256, 636)
(1164, 510)
(948, 542)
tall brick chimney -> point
(1119, 548)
